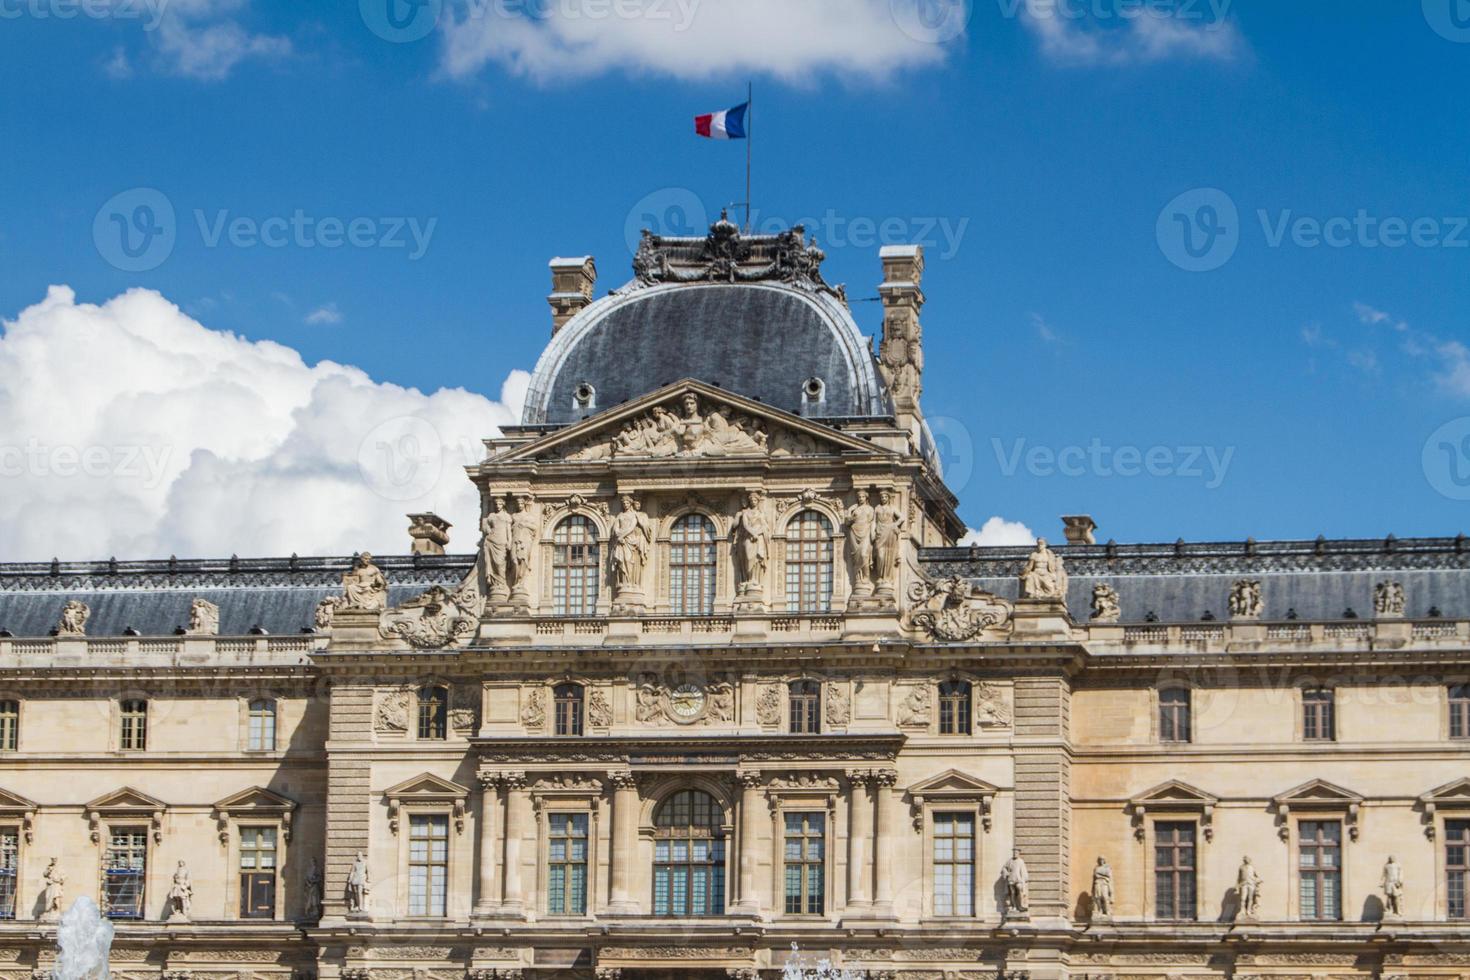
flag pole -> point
(749, 139)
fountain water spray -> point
(85, 939)
(823, 971)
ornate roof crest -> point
(725, 255)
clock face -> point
(686, 700)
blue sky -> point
(1052, 156)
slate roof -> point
(1179, 583)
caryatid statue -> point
(525, 528)
(887, 541)
(632, 543)
(1393, 887)
(1018, 883)
(1248, 891)
(1044, 576)
(364, 586)
(358, 885)
(495, 536)
(860, 519)
(752, 543)
(1102, 888)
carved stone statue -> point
(358, 885)
(525, 528)
(1106, 606)
(364, 587)
(1245, 600)
(1044, 576)
(436, 618)
(1248, 891)
(916, 711)
(860, 532)
(955, 609)
(181, 895)
(203, 618)
(74, 617)
(54, 892)
(1388, 600)
(313, 907)
(325, 611)
(1102, 889)
(1018, 884)
(768, 706)
(887, 541)
(1393, 888)
(752, 543)
(495, 536)
(632, 543)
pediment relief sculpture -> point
(955, 610)
(693, 429)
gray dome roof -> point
(751, 315)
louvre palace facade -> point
(715, 680)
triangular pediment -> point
(14, 802)
(257, 799)
(126, 798)
(1455, 792)
(688, 420)
(952, 783)
(1318, 791)
(1174, 793)
(427, 786)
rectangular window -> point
(1174, 872)
(433, 713)
(125, 866)
(566, 864)
(1320, 868)
(1457, 865)
(1318, 721)
(9, 726)
(257, 872)
(1460, 711)
(1174, 721)
(954, 708)
(9, 860)
(134, 734)
(805, 701)
(262, 725)
(805, 863)
(954, 864)
(428, 864)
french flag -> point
(727, 125)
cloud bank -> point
(131, 429)
(1132, 35)
(999, 533)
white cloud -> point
(327, 314)
(210, 51)
(1131, 35)
(999, 533)
(131, 429)
(692, 39)
(1044, 330)
(1451, 358)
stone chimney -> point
(572, 281)
(430, 533)
(1079, 529)
(901, 353)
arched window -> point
(576, 567)
(9, 726)
(809, 563)
(262, 725)
(692, 566)
(805, 699)
(689, 856)
(954, 708)
(433, 712)
(568, 703)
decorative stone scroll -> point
(710, 703)
(725, 255)
(435, 619)
(954, 610)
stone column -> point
(884, 842)
(748, 902)
(490, 814)
(859, 839)
(517, 819)
(624, 843)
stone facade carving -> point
(836, 707)
(752, 545)
(1107, 606)
(632, 546)
(859, 520)
(180, 894)
(312, 904)
(599, 711)
(901, 353)
(1017, 881)
(464, 707)
(495, 537)
(1392, 882)
(992, 710)
(1102, 889)
(725, 255)
(364, 587)
(434, 619)
(533, 710)
(768, 704)
(1388, 600)
(1247, 892)
(888, 528)
(74, 616)
(203, 618)
(710, 703)
(325, 611)
(393, 710)
(1045, 576)
(694, 431)
(1246, 600)
(359, 886)
(955, 610)
(917, 708)
(54, 892)
(525, 529)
